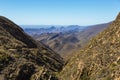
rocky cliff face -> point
(22, 58)
(99, 60)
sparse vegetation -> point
(21, 56)
(4, 59)
(100, 57)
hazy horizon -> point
(60, 12)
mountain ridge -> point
(23, 58)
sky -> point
(60, 12)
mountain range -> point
(68, 39)
(40, 29)
(24, 58)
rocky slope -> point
(23, 58)
(98, 60)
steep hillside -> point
(23, 58)
(65, 43)
(99, 60)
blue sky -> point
(60, 12)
